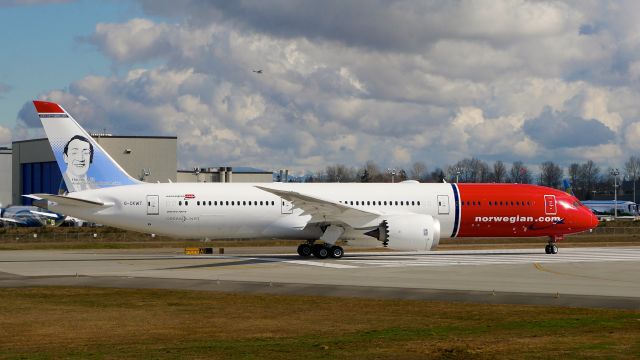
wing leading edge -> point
(327, 211)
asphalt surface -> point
(580, 277)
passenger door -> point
(153, 207)
(287, 206)
(443, 204)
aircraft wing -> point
(13, 221)
(323, 210)
(71, 201)
(46, 214)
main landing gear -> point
(551, 247)
(328, 248)
(321, 251)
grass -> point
(165, 324)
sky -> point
(394, 81)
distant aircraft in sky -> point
(257, 71)
(404, 216)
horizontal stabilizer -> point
(71, 201)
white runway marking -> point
(475, 257)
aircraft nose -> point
(594, 220)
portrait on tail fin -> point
(84, 164)
(78, 155)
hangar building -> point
(5, 176)
(33, 168)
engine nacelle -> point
(409, 232)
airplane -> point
(29, 216)
(608, 207)
(407, 216)
(257, 71)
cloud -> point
(344, 82)
(558, 129)
(406, 26)
(5, 136)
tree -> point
(437, 176)
(550, 174)
(402, 175)
(372, 172)
(499, 172)
(469, 170)
(574, 177)
(589, 173)
(519, 173)
(632, 171)
(419, 171)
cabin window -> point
(385, 203)
(186, 203)
(273, 203)
(418, 203)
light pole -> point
(458, 171)
(392, 172)
(615, 173)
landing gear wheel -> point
(554, 249)
(336, 252)
(304, 250)
(547, 249)
(320, 251)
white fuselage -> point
(235, 210)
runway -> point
(599, 277)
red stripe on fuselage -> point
(517, 210)
(46, 107)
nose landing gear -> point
(552, 248)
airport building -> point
(5, 176)
(32, 168)
(225, 174)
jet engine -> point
(408, 232)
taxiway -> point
(595, 277)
